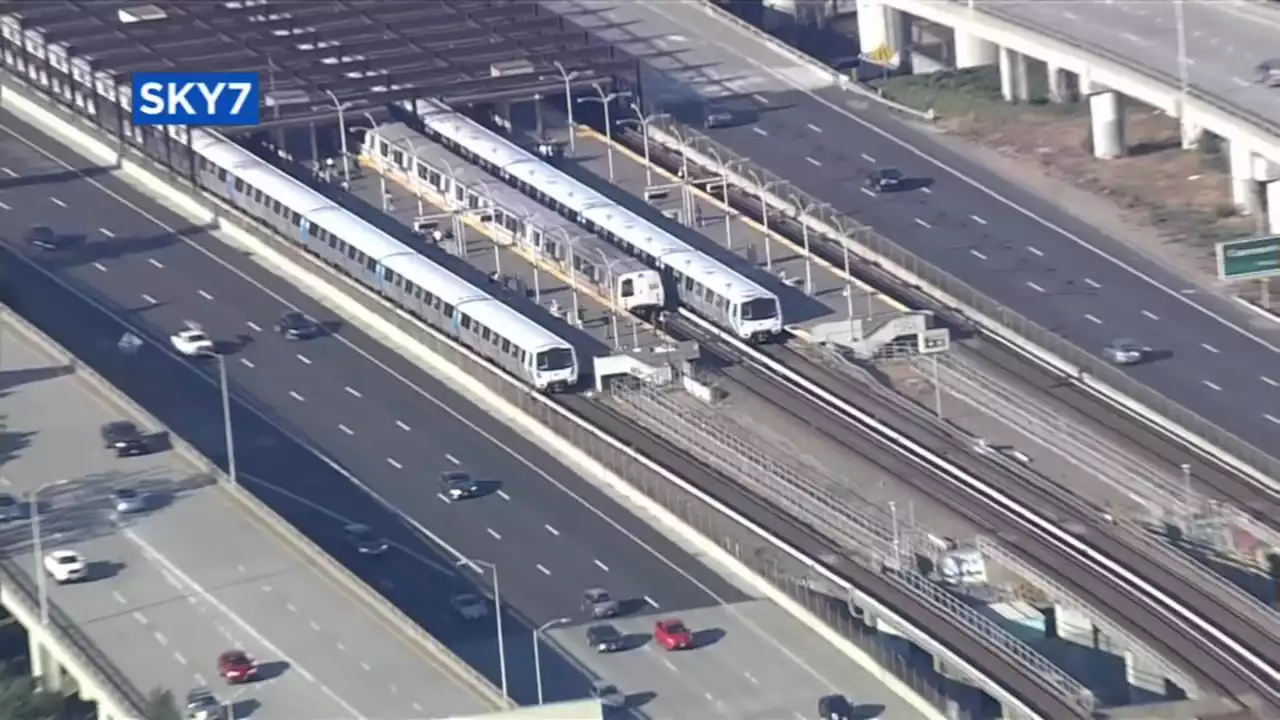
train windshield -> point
(555, 359)
(760, 309)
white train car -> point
(722, 295)
(447, 181)
(379, 261)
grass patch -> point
(962, 93)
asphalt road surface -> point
(1225, 42)
(189, 576)
(1016, 247)
(382, 420)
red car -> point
(235, 666)
(672, 634)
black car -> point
(835, 707)
(363, 540)
(604, 638)
(125, 438)
(459, 485)
(296, 326)
(885, 179)
(10, 508)
(42, 237)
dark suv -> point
(296, 326)
(604, 638)
(42, 237)
(125, 438)
(885, 180)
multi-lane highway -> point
(1225, 42)
(387, 423)
(1011, 244)
(188, 577)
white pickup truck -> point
(192, 342)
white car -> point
(469, 606)
(66, 566)
(192, 343)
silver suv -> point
(1124, 352)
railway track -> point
(1067, 537)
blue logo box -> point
(165, 98)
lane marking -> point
(751, 677)
(760, 98)
(978, 220)
(867, 192)
(150, 300)
(393, 463)
(366, 667)
(602, 566)
(670, 665)
(1035, 251)
(977, 254)
(119, 598)
(304, 359)
(923, 223)
(1272, 418)
(453, 460)
(178, 656)
(100, 266)
(1270, 382)
(106, 232)
(503, 494)
(494, 533)
(352, 391)
(58, 202)
(1092, 319)
(160, 638)
(868, 158)
(314, 625)
(402, 426)
(652, 602)
(1210, 348)
(9, 172)
(346, 429)
(204, 294)
(543, 569)
(1034, 286)
(293, 394)
(1091, 283)
(926, 191)
(760, 130)
(814, 128)
(253, 326)
(155, 262)
(813, 162)
(246, 362)
(6, 206)
(1211, 386)
(443, 498)
(1151, 315)
(552, 530)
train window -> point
(387, 274)
(466, 322)
(473, 201)
(459, 192)
(297, 219)
(333, 241)
(500, 217)
(417, 291)
(436, 179)
(257, 196)
(506, 346)
(423, 172)
(382, 147)
(438, 304)
(513, 225)
(688, 283)
(485, 334)
(399, 281)
(222, 175)
(275, 207)
(427, 297)
(239, 185)
(628, 287)
(448, 309)
(398, 157)
(371, 264)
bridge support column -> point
(1244, 189)
(1062, 85)
(1192, 133)
(1013, 76)
(1141, 677)
(972, 51)
(1273, 206)
(881, 26)
(1106, 111)
(44, 668)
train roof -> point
(388, 251)
(592, 205)
(314, 56)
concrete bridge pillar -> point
(1244, 188)
(1141, 677)
(972, 51)
(1013, 76)
(1062, 85)
(44, 668)
(1192, 132)
(881, 26)
(1106, 111)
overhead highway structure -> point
(1212, 388)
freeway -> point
(1016, 247)
(190, 576)
(384, 421)
(1225, 42)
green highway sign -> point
(1250, 258)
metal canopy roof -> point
(366, 53)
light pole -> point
(569, 77)
(642, 121)
(537, 656)
(762, 187)
(802, 211)
(37, 549)
(412, 175)
(1184, 80)
(572, 246)
(382, 176)
(341, 107)
(497, 612)
(613, 296)
(606, 100)
(724, 197)
(687, 199)
(226, 419)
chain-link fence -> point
(803, 205)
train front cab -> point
(758, 320)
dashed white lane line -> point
(978, 220)
(443, 499)
(119, 598)
(294, 394)
(58, 202)
(402, 426)
(178, 656)
(352, 391)
(314, 625)
(394, 463)
(1034, 286)
(246, 362)
(815, 163)
(1211, 386)
(868, 158)
(760, 131)
(926, 191)
(602, 566)
(100, 266)
(5, 206)
(552, 530)
(417, 707)
(1272, 418)
(710, 697)
(452, 459)
(1091, 283)
(1210, 348)
(365, 667)
(342, 647)
(1035, 251)
(502, 494)
(150, 300)
(1270, 382)
(1092, 319)
(1150, 314)
(346, 429)
(922, 223)
(751, 677)
(204, 295)
(290, 607)
(814, 128)
(253, 326)
(670, 665)
(305, 360)
(977, 254)
(106, 232)
(1241, 82)
(652, 602)
(867, 192)
(542, 569)
(9, 172)
(160, 638)
(494, 533)
(155, 262)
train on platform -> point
(508, 216)
(699, 282)
(377, 260)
